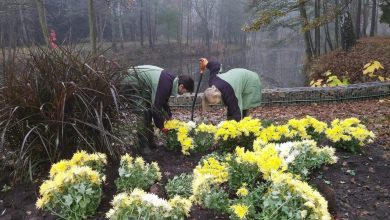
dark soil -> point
(357, 187)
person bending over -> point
(239, 89)
(156, 86)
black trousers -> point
(245, 113)
(146, 131)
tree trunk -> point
(317, 31)
(120, 23)
(365, 18)
(92, 26)
(114, 26)
(156, 6)
(189, 16)
(307, 36)
(69, 22)
(141, 20)
(149, 23)
(326, 28)
(358, 19)
(42, 20)
(337, 26)
(373, 18)
(24, 31)
(180, 29)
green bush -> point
(180, 185)
(135, 173)
(72, 194)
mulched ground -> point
(357, 187)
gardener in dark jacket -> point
(159, 86)
(239, 89)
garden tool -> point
(196, 95)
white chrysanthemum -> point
(287, 151)
(191, 125)
(156, 201)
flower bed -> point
(258, 171)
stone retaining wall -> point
(283, 96)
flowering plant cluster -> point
(141, 205)
(204, 137)
(258, 179)
(179, 185)
(178, 136)
(74, 188)
(302, 156)
(231, 133)
(135, 173)
(96, 161)
(349, 134)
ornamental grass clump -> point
(141, 205)
(349, 134)
(230, 134)
(135, 173)
(73, 194)
(54, 100)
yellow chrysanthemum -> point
(314, 200)
(214, 168)
(240, 210)
(60, 167)
(243, 191)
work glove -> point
(165, 130)
(202, 64)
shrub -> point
(179, 185)
(349, 134)
(141, 205)
(56, 99)
(72, 194)
(135, 173)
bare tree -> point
(204, 9)
(42, 20)
(365, 17)
(358, 19)
(92, 26)
(317, 32)
(373, 18)
(307, 35)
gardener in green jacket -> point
(157, 86)
(239, 89)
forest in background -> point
(184, 22)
